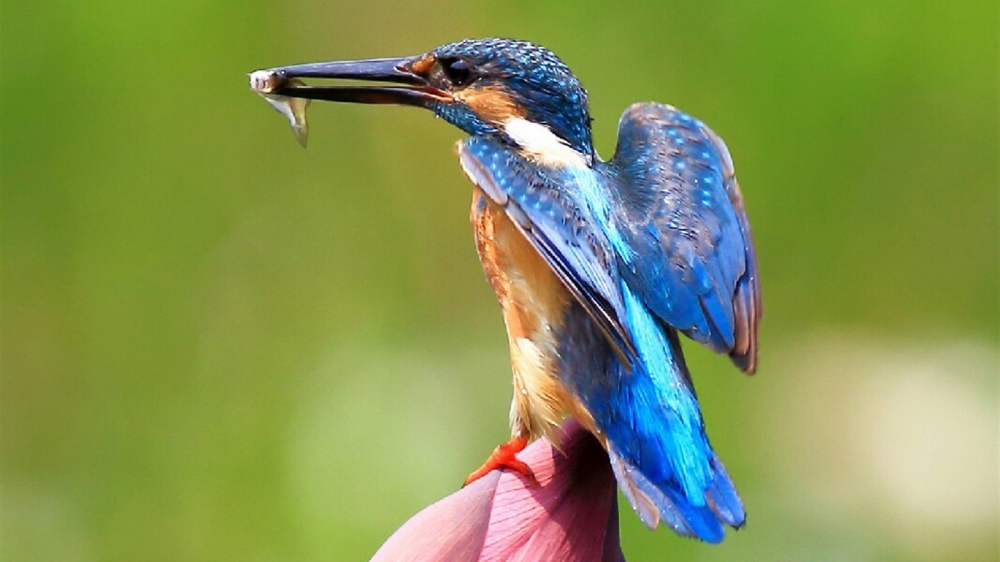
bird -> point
(598, 265)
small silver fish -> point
(294, 109)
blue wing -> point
(692, 261)
(558, 228)
(644, 405)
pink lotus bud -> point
(571, 514)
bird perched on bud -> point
(598, 265)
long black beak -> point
(286, 81)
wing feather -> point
(556, 227)
(694, 262)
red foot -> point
(503, 457)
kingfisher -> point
(598, 265)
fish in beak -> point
(283, 87)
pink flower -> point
(571, 514)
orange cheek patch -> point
(492, 103)
(423, 66)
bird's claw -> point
(504, 456)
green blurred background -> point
(219, 346)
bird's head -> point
(516, 91)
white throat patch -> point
(539, 141)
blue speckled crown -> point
(541, 83)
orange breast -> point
(534, 303)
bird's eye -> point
(458, 71)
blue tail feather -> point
(640, 446)
(662, 459)
(672, 507)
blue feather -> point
(687, 224)
(662, 459)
